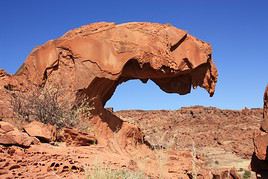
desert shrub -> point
(44, 105)
(104, 172)
(247, 174)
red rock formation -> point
(261, 143)
(10, 135)
(259, 162)
(264, 123)
(74, 137)
(91, 61)
(44, 132)
(95, 58)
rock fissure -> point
(173, 47)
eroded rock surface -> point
(44, 132)
(259, 161)
(10, 135)
(74, 137)
(89, 63)
(93, 59)
(222, 138)
(264, 123)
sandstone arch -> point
(93, 59)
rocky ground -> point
(191, 141)
(230, 130)
(222, 138)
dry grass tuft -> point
(106, 172)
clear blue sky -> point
(237, 30)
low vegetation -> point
(247, 174)
(45, 105)
(105, 172)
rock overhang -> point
(94, 59)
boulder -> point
(10, 135)
(264, 123)
(260, 146)
(74, 137)
(259, 161)
(6, 127)
(44, 132)
(17, 138)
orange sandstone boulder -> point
(261, 140)
(259, 162)
(264, 123)
(44, 132)
(6, 127)
(10, 135)
(261, 144)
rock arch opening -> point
(137, 95)
(167, 79)
(140, 77)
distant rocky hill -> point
(231, 130)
